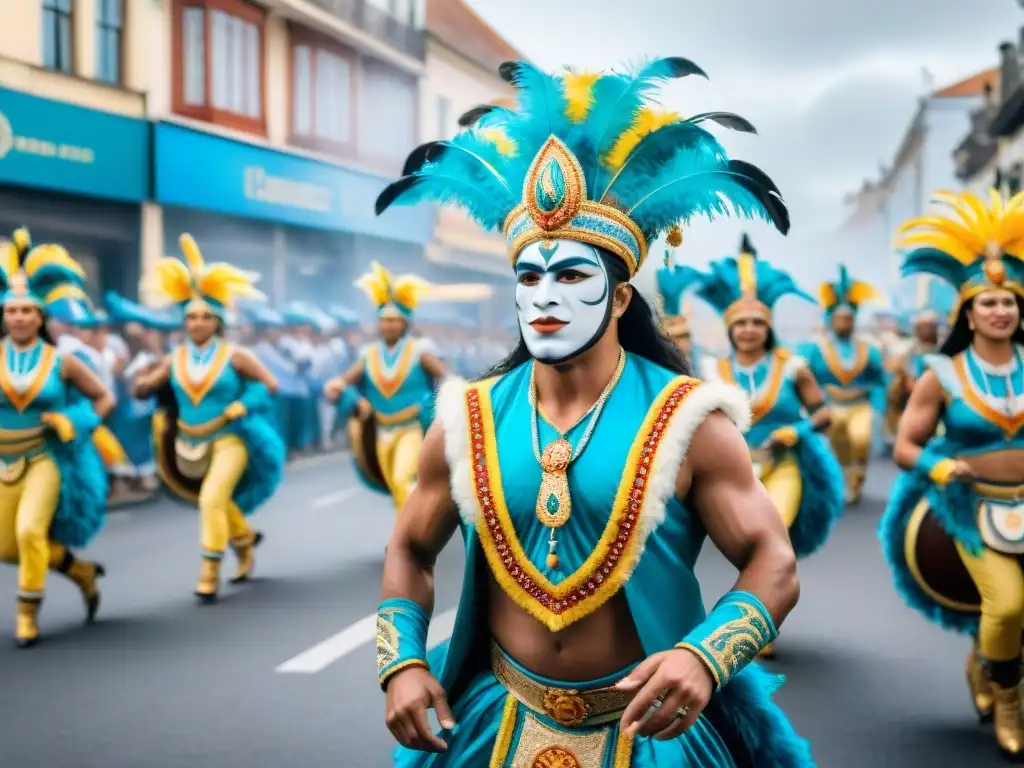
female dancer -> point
(792, 458)
(52, 484)
(952, 532)
(215, 440)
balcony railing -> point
(380, 24)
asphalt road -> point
(281, 673)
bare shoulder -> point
(717, 453)
(433, 460)
(928, 388)
(242, 356)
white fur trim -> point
(450, 410)
(793, 365)
(707, 368)
(675, 442)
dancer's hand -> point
(234, 411)
(962, 471)
(60, 424)
(364, 408)
(333, 389)
(676, 678)
(410, 694)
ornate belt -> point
(846, 395)
(568, 707)
(398, 417)
(204, 430)
(20, 447)
(999, 491)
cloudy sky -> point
(830, 86)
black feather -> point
(757, 183)
(393, 191)
(507, 71)
(681, 67)
(747, 247)
(726, 120)
(755, 173)
(418, 158)
(472, 116)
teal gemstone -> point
(552, 504)
(549, 190)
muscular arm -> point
(919, 420)
(718, 482)
(812, 398)
(433, 366)
(149, 382)
(89, 384)
(424, 527)
(246, 363)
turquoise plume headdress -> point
(975, 248)
(124, 310)
(39, 275)
(673, 282)
(586, 157)
(846, 292)
(746, 286)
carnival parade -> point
(590, 426)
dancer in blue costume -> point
(52, 484)
(390, 386)
(215, 441)
(587, 469)
(852, 373)
(673, 281)
(953, 531)
(791, 457)
(924, 328)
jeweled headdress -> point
(976, 248)
(746, 286)
(38, 275)
(846, 293)
(586, 157)
(193, 284)
(394, 296)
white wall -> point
(462, 83)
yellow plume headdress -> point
(975, 247)
(193, 283)
(846, 293)
(395, 296)
(38, 275)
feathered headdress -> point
(193, 284)
(124, 310)
(38, 275)
(846, 292)
(745, 286)
(395, 296)
(586, 157)
(975, 248)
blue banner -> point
(53, 145)
(201, 170)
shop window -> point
(58, 33)
(322, 93)
(388, 114)
(218, 62)
(109, 36)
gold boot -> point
(83, 574)
(244, 549)
(209, 580)
(26, 628)
(1008, 727)
(768, 652)
(979, 686)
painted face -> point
(563, 298)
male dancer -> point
(570, 470)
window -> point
(109, 29)
(322, 93)
(444, 115)
(57, 35)
(218, 62)
(387, 114)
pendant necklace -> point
(554, 506)
(1006, 372)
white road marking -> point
(329, 500)
(337, 646)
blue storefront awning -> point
(213, 173)
(58, 146)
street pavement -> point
(281, 673)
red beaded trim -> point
(615, 540)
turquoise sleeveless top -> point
(394, 380)
(205, 383)
(30, 385)
(847, 369)
(984, 403)
(771, 386)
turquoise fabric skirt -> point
(480, 710)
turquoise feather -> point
(932, 261)
(672, 285)
(721, 287)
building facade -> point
(1002, 128)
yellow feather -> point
(193, 256)
(941, 241)
(646, 121)
(827, 295)
(174, 280)
(66, 291)
(224, 283)
(747, 268)
(861, 292)
(8, 259)
(501, 141)
(49, 254)
(1015, 247)
(995, 200)
(22, 239)
(982, 216)
(949, 227)
(376, 284)
(407, 290)
(579, 94)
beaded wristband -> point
(734, 633)
(401, 637)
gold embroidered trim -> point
(387, 641)
(541, 746)
(399, 417)
(385, 385)
(763, 405)
(506, 732)
(1010, 425)
(610, 564)
(845, 376)
(197, 390)
(734, 644)
(22, 400)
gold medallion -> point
(553, 502)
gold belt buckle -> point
(192, 459)
(11, 472)
(566, 707)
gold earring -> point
(970, 325)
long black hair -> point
(960, 335)
(639, 331)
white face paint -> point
(562, 297)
